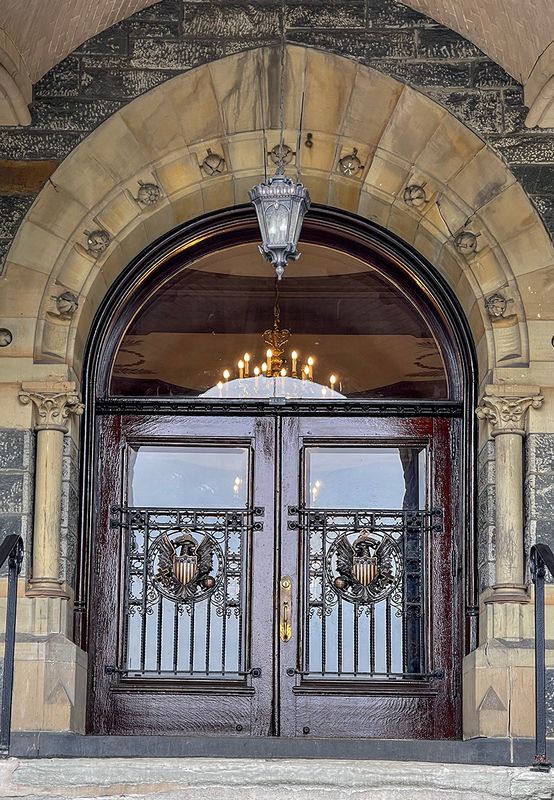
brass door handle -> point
(285, 608)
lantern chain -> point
(281, 164)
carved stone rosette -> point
(52, 409)
(507, 414)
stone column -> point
(505, 407)
(53, 404)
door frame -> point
(237, 225)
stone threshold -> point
(257, 779)
(487, 751)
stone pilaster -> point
(54, 404)
(505, 407)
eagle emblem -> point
(182, 565)
(368, 568)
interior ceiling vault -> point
(511, 32)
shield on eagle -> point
(185, 563)
(365, 565)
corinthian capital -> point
(53, 402)
(505, 407)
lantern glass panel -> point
(277, 216)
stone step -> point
(263, 779)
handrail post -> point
(538, 573)
(15, 559)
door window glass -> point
(188, 477)
(363, 538)
(349, 332)
(187, 531)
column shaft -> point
(54, 403)
(47, 519)
(509, 514)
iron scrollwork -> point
(185, 590)
(364, 590)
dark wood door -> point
(370, 542)
(293, 576)
(182, 585)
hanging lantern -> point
(281, 205)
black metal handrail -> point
(542, 558)
(11, 550)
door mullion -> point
(289, 561)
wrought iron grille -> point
(364, 598)
(184, 591)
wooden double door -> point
(276, 576)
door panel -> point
(367, 541)
(184, 553)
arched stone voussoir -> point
(470, 217)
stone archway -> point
(473, 221)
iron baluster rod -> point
(542, 558)
(11, 550)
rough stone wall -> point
(16, 486)
(70, 511)
(173, 36)
(539, 492)
(486, 538)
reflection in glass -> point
(188, 477)
(365, 477)
(359, 326)
(360, 527)
(198, 493)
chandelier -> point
(276, 362)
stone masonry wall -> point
(539, 490)
(173, 36)
(538, 498)
(486, 538)
(16, 496)
(16, 487)
(70, 511)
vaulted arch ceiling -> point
(511, 32)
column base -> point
(509, 593)
(498, 690)
(46, 587)
(50, 684)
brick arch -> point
(402, 138)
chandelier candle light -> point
(276, 365)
